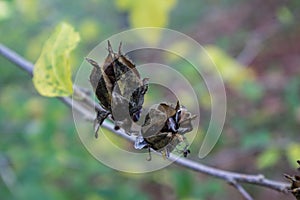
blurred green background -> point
(256, 47)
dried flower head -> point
(119, 89)
(164, 129)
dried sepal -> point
(117, 85)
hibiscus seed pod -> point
(164, 129)
(295, 184)
(117, 85)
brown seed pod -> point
(119, 89)
(295, 184)
(164, 129)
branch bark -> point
(232, 178)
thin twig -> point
(242, 190)
(230, 177)
(16, 59)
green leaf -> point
(268, 158)
(52, 71)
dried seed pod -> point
(295, 184)
(119, 89)
(164, 129)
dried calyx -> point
(119, 89)
(164, 129)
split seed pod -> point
(119, 89)
(164, 129)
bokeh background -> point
(256, 47)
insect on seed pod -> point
(119, 89)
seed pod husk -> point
(164, 128)
(119, 89)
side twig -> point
(232, 178)
(242, 191)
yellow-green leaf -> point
(293, 154)
(89, 30)
(268, 158)
(5, 10)
(154, 13)
(52, 71)
(28, 9)
(232, 71)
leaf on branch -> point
(52, 71)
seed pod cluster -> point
(120, 90)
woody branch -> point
(233, 178)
